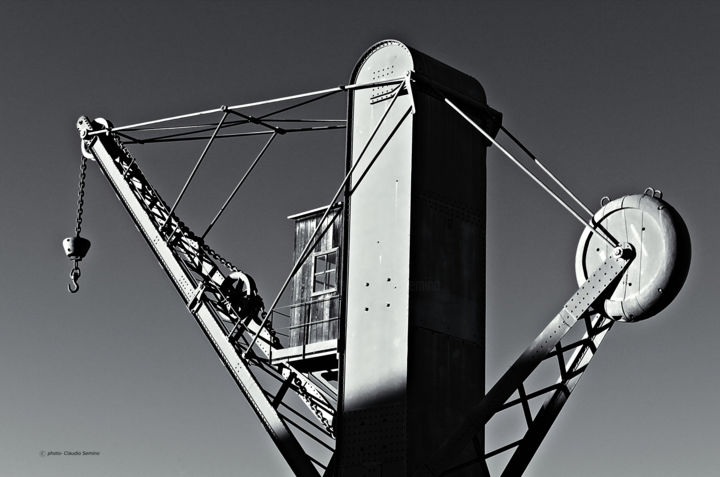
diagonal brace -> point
(579, 304)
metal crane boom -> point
(193, 269)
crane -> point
(631, 261)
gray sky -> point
(614, 97)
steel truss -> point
(196, 273)
(244, 343)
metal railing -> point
(309, 322)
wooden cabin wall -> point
(306, 307)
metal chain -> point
(225, 262)
(308, 398)
(75, 272)
(81, 195)
(184, 230)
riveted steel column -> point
(412, 349)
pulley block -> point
(662, 244)
(76, 247)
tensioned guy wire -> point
(311, 240)
(590, 225)
(188, 137)
(544, 169)
(322, 93)
(197, 164)
(297, 105)
(237, 187)
(254, 120)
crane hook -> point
(73, 286)
(75, 248)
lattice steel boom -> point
(195, 270)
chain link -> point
(185, 230)
(81, 196)
(308, 398)
(301, 387)
(79, 245)
(75, 272)
(227, 263)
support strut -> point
(545, 346)
(198, 279)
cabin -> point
(315, 309)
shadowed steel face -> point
(662, 244)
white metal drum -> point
(661, 242)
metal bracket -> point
(408, 87)
(283, 390)
(195, 302)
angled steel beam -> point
(178, 255)
(597, 328)
(444, 462)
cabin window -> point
(325, 272)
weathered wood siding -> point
(314, 318)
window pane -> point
(318, 284)
(319, 264)
(331, 280)
(331, 259)
(325, 272)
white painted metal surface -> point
(661, 240)
(378, 257)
